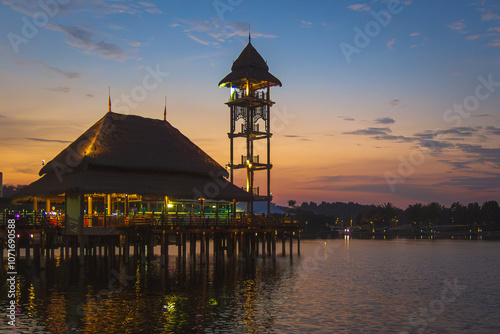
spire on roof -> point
(109, 99)
(165, 110)
(249, 38)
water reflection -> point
(336, 286)
(107, 295)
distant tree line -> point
(325, 215)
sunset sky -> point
(374, 108)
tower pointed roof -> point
(251, 66)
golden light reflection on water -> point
(352, 290)
(56, 312)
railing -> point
(31, 221)
(238, 94)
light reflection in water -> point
(365, 286)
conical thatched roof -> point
(249, 65)
(134, 143)
(135, 155)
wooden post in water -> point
(184, 249)
(207, 248)
(179, 246)
(283, 244)
(291, 244)
(298, 243)
(274, 245)
(202, 248)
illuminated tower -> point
(250, 105)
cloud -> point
(305, 24)
(214, 32)
(60, 89)
(369, 132)
(435, 146)
(458, 26)
(458, 165)
(346, 118)
(495, 42)
(395, 102)
(493, 130)
(390, 43)
(49, 140)
(100, 7)
(496, 29)
(199, 40)
(385, 120)
(134, 43)
(473, 37)
(489, 15)
(83, 38)
(481, 154)
(456, 131)
(414, 34)
(401, 139)
(360, 7)
(471, 183)
(67, 74)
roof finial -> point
(165, 110)
(249, 38)
(109, 98)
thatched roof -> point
(249, 65)
(134, 155)
(136, 143)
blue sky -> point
(413, 115)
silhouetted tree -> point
(415, 214)
(458, 214)
(490, 213)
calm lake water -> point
(335, 286)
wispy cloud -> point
(385, 120)
(390, 43)
(400, 139)
(369, 131)
(495, 42)
(473, 37)
(459, 26)
(214, 32)
(84, 39)
(49, 140)
(493, 130)
(414, 34)
(60, 89)
(305, 24)
(67, 74)
(346, 118)
(360, 7)
(100, 7)
(395, 102)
